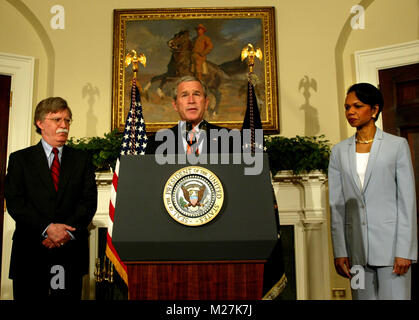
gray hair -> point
(189, 79)
(53, 105)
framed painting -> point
(169, 40)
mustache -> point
(61, 130)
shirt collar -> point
(48, 148)
(182, 125)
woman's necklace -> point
(364, 141)
(366, 132)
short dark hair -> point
(188, 79)
(52, 104)
(368, 94)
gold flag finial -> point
(135, 59)
(251, 53)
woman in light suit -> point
(373, 202)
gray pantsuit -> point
(374, 224)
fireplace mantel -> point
(301, 204)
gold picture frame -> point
(151, 31)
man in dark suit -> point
(51, 194)
(193, 134)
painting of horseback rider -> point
(184, 62)
(206, 48)
(202, 46)
(189, 58)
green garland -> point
(299, 154)
(104, 150)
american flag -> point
(274, 279)
(251, 120)
(134, 142)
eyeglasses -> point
(58, 120)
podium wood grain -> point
(192, 280)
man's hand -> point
(50, 244)
(401, 265)
(57, 232)
(343, 267)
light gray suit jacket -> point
(374, 224)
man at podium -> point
(193, 137)
(190, 101)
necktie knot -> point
(192, 137)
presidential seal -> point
(193, 196)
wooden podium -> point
(221, 260)
(204, 280)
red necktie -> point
(55, 168)
(192, 143)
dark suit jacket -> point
(152, 144)
(33, 203)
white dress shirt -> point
(182, 125)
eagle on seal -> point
(193, 195)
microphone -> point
(188, 126)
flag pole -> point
(250, 53)
(135, 143)
(274, 280)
